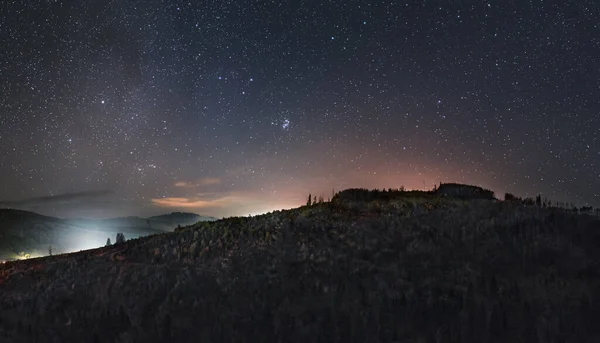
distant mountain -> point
(180, 219)
(26, 233)
(7, 215)
(165, 222)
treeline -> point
(453, 190)
(184, 214)
(450, 190)
(545, 202)
(461, 191)
(366, 195)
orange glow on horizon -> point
(280, 191)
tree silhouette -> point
(50, 250)
(529, 201)
(108, 242)
(309, 200)
(120, 238)
(462, 191)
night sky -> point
(111, 108)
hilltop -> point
(366, 267)
(24, 233)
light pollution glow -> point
(291, 193)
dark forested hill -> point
(407, 269)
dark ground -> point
(412, 269)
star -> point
(190, 92)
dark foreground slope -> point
(407, 270)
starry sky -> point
(111, 108)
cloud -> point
(210, 181)
(60, 198)
(226, 204)
(184, 184)
(206, 181)
(195, 202)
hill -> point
(181, 217)
(425, 268)
(137, 225)
(25, 233)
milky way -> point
(241, 107)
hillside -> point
(26, 233)
(424, 268)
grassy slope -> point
(407, 270)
